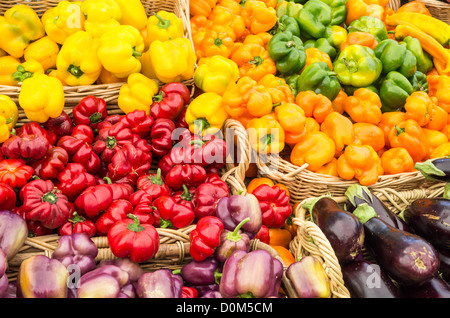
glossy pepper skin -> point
(15, 172)
(292, 118)
(90, 111)
(423, 58)
(364, 106)
(73, 180)
(314, 105)
(8, 197)
(232, 241)
(137, 93)
(288, 23)
(153, 184)
(418, 106)
(251, 275)
(274, 203)
(253, 60)
(13, 233)
(307, 151)
(323, 45)
(29, 147)
(396, 57)
(100, 16)
(319, 78)
(170, 101)
(340, 129)
(60, 126)
(205, 238)
(338, 11)
(138, 122)
(371, 25)
(161, 135)
(49, 167)
(185, 174)
(258, 17)
(266, 135)
(130, 238)
(394, 91)
(208, 194)
(77, 224)
(8, 110)
(173, 214)
(163, 26)
(361, 38)
(409, 135)
(314, 18)
(288, 53)
(397, 160)
(419, 82)
(159, 284)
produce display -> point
(350, 88)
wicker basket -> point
(394, 4)
(438, 9)
(308, 232)
(109, 92)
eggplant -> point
(434, 288)
(365, 279)
(406, 257)
(430, 218)
(357, 194)
(343, 230)
(435, 169)
(444, 261)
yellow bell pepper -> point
(133, 13)
(340, 129)
(101, 15)
(8, 66)
(441, 151)
(42, 97)
(27, 69)
(146, 65)
(9, 110)
(77, 62)
(120, 50)
(292, 118)
(266, 135)
(316, 149)
(164, 26)
(63, 20)
(4, 130)
(215, 74)
(137, 93)
(173, 60)
(19, 26)
(44, 50)
(205, 114)
(258, 17)
(107, 78)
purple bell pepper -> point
(201, 273)
(251, 275)
(11, 291)
(212, 294)
(133, 269)
(76, 249)
(3, 277)
(13, 233)
(161, 283)
(233, 209)
(231, 241)
(42, 277)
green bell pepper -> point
(338, 10)
(424, 59)
(291, 9)
(394, 91)
(396, 57)
(288, 53)
(287, 23)
(419, 82)
(336, 35)
(323, 45)
(292, 81)
(350, 90)
(371, 25)
(319, 78)
(357, 66)
(314, 19)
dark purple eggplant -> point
(435, 169)
(357, 194)
(430, 218)
(444, 261)
(436, 287)
(343, 230)
(365, 279)
(406, 257)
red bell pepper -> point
(189, 292)
(142, 202)
(117, 211)
(15, 172)
(128, 164)
(35, 228)
(34, 128)
(181, 121)
(90, 111)
(263, 235)
(153, 184)
(43, 202)
(172, 214)
(27, 147)
(170, 101)
(185, 197)
(274, 203)
(139, 122)
(77, 224)
(190, 175)
(130, 238)
(208, 194)
(109, 121)
(73, 180)
(49, 167)
(8, 197)
(205, 238)
(162, 136)
(60, 126)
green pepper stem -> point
(257, 60)
(157, 179)
(217, 276)
(399, 130)
(75, 71)
(136, 226)
(176, 271)
(235, 236)
(21, 74)
(111, 142)
(218, 42)
(186, 195)
(197, 142)
(202, 124)
(76, 218)
(108, 180)
(95, 118)
(162, 23)
(136, 54)
(158, 97)
(50, 197)
(165, 224)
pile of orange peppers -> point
(348, 137)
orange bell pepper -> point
(311, 125)
(369, 134)
(286, 255)
(292, 118)
(414, 6)
(279, 237)
(397, 160)
(418, 107)
(202, 7)
(432, 79)
(338, 102)
(314, 55)
(279, 91)
(360, 38)
(225, 16)
(258, 17)
(233, 5)
(409, 135)
(360, 162)
(389, 120)
(314, 105)
(441, 151)
(438, 118)
(443, 92)
(359, 8)
(340, 129)
(254, 61)
(330, 169)
(386, 13)
(200, 25)
(266, 135)
(262, 39)
(435, 138)
(364, 106)
(316, 150)
(256, 182)
(217, 41)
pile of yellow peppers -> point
(78, 43)
(348, 137)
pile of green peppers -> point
(394, 70)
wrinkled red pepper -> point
(15, 172)
(90, 111)
(153, 184)
(263, 235)
(139, 122)
(191, 175)
(162, 136)
(189, 292)
(77, 224)
(130, 238)
(34, 128)
(73, 180)
(109, 121)
(205, 238)
(52, 164)
(274, 203)
(27, 147)
(8, 197)
(43, 202)
(185, 196)
(142, 202)
(170, 101)
(172, 214)
(35, 228)
(208, 194)
(181, 121)
(60, 126)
